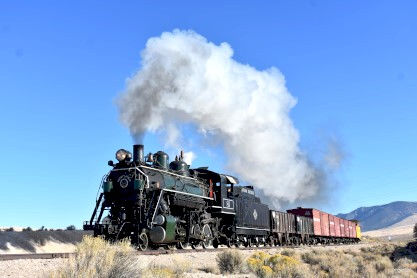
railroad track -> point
(160, 251)
(7, 257)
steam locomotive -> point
(155, 203)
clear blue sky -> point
(352, 65)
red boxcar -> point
(311, 213)
(342, 227)
(320, 219)
(346, 223)
(326, 224)
(352, 229)
(324, 221)
(331, 225)
(349, 224)
(337, 226)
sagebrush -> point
(229, 261)
(379, 260)
(97, 258)
(278, 265)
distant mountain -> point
(379, 217)
(402, 230)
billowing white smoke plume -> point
(186, 79)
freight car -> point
(291, 229)
(328, 228)
(155, 203)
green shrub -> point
(97, 258)
(383, 265)
(278, 265)
(71, 228)
(229, 261)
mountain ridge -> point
(381, 216)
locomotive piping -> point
(179, 192)
(146, 176)
(186, 193)
(226, 212)
(167, 172)
(156, 169)
(247, 228)
(156, 207)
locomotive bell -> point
(149, 158)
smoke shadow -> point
(28, 240)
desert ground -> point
(197, 262)
(374, 256)
(204, 264)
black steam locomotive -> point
(156, 203)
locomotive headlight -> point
(121, 155)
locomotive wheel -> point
(249, 243)
(206, 232)
(143, 241)
(182, 245)
(195, 245)
(206, 244)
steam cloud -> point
(186, 79)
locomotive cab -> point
(222, 189)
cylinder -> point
(138, 154)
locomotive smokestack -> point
(138, 155)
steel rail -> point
(7, 257)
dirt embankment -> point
(402, 230)
(39, 241)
